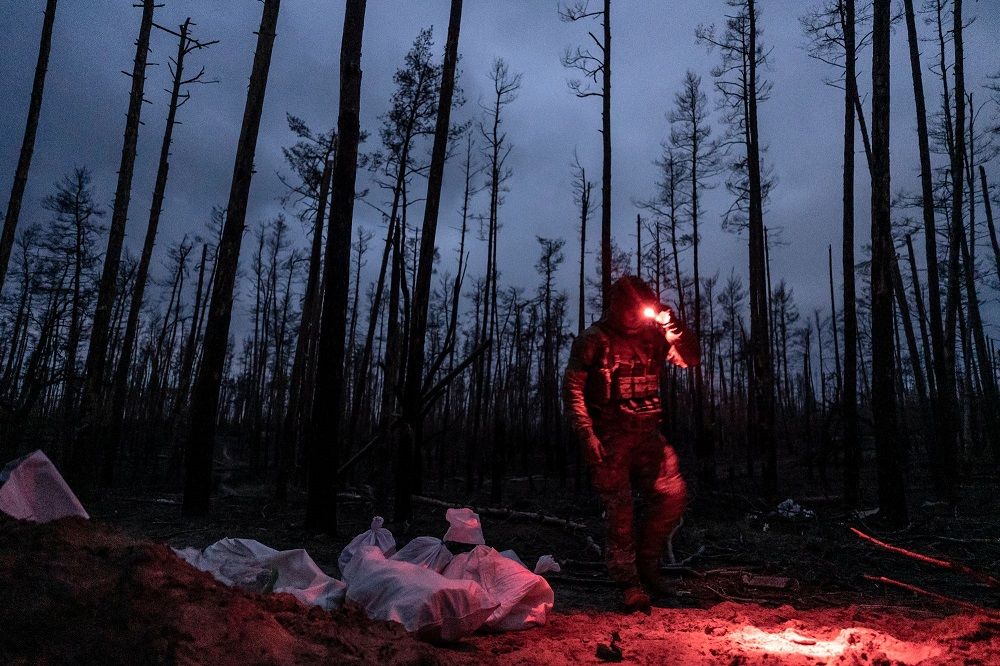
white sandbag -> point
(375, 536)
(464, 527)
(252, 566)
(422, 600)
(546, 564)
(34, 490)
(425, 551)
(524, 598)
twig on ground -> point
(933, 595)
(507, 514)
(926, 559)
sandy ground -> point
(82, 592)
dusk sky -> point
(653, 44)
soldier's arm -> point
(684, 350)
(581, 357)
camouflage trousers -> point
(638, 464)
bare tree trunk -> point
(27, 142)
(297, 406)
(328, 401)
(957, 134)
(762, 425)
(412, 406)
(584, 214)
(606, 158)
(849, 388)
(891, 459)
(205, 394)
(903, 307)
(113, 441)
(86, 453)
(918, 299)
(989, 216)
(833, 321)
(944, 440)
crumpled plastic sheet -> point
(255, 567)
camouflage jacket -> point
(612, 380)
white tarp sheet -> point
(250, 565)
(34, 490)
(423, 601)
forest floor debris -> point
(89, 591)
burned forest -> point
(419, 333)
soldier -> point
(612, 395)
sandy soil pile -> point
(79, 592)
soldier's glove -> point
(593, 450)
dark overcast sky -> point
(653, 45)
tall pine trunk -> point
(849, 389)
(891, 462)
(943, 449)
(86, 452)
(113, 442)
(606, 159)
(27, 142)
(328, 400)
(412, 407)
(762, 425)
(200, 443)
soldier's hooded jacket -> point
(612, 381)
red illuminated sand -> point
(81, 592)
(732, 633)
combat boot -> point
(653, 581)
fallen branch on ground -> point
(933, 595)
(984, 578)
(507, 514)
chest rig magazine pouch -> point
(625, 382)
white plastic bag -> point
(464, 527)
(376, 536)
(524, 598)
(545, 564)
(250, 565)
(422, 600)
(32, 489)
(425, 551)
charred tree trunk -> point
(113, 442)
(27, 142)
(762, 424)
(849, 389)
(297, 407)
(606, 158)
(205, 394)
(86, 453)
(891, 462)
(412, 407)
(328, 401)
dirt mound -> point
(80, 592)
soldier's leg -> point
(659, 480)
(612, 483)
